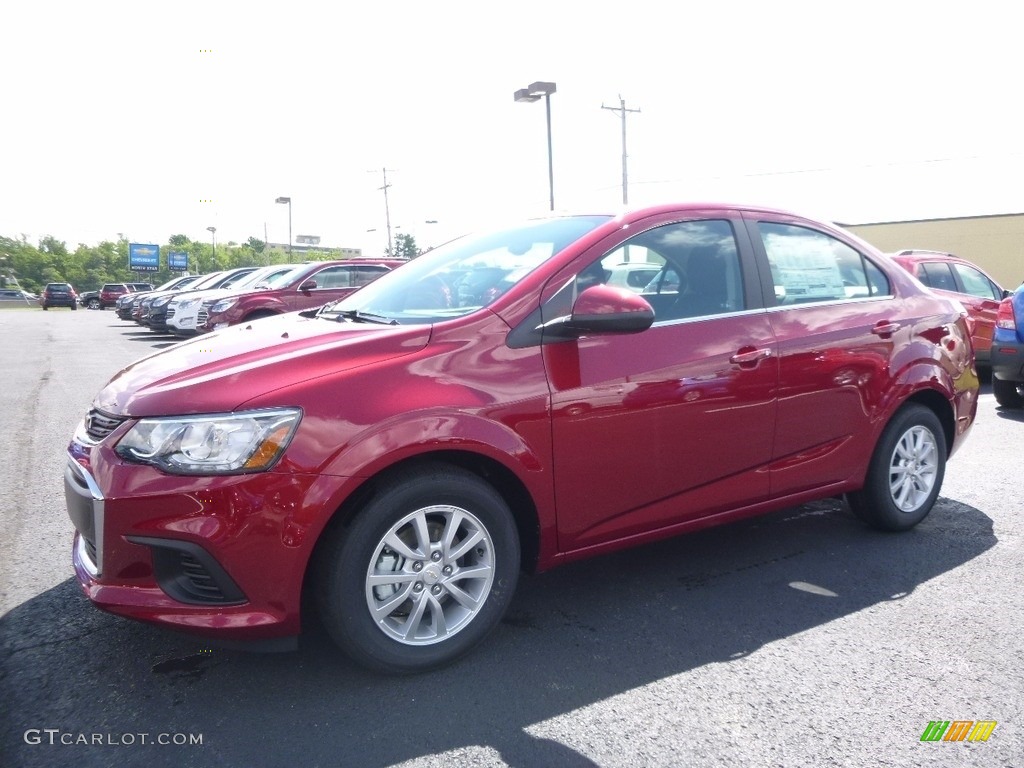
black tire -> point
(906, 471)
(1007, 393)
(45, 307)
(443, 501)
(94, 304)
(74, 306)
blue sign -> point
(177, 261)
(143, 257)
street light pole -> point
(213, 237)
(288, 200)
(533, 92)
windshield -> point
(176, 282)
(262, 276)
(279, 279)
(463, 275)
(207, 281)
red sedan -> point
(495, 405)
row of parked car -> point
(192, 304)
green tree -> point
(404, 247)
(50, 244)
(257, 245)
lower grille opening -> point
(189, 574)
(90, 548)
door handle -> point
(750, 356)
(885, 329)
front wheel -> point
(423, 573)
(1008, 393)
(93, 304)
(905, 473)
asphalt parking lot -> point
(796, 639)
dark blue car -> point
(1008, 352)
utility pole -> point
(387, 210)
(621, 109)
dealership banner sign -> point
(143, 257)
(177, 261)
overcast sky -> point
(128, 117)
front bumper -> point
(223, 557)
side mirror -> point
(309, 285)
(603, 309)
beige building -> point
(994, 243)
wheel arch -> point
(937, 403)
(510, 487)
(260, 312)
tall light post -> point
(288, 200)
(533, 92)
(213, 239)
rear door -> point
(674, 423)
(836, 321)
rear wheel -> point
(424, 572)
(1008, 393)
(905, 474)
(74, 306)
(93, 304)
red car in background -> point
(496, 405)
(308, 285)
(959, 278)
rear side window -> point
(811, 266)
(937, 274)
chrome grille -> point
(202, 316)
(98, 424)
(170, 312)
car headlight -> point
(215, 444)
(223, 305)
(161, 301)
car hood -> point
(219, 372)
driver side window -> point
(686, 269)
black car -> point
(89, 299)
(126, 305)
(58, 295)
